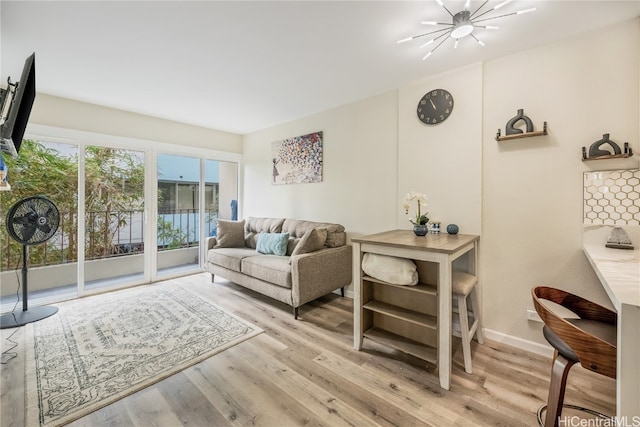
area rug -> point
(99, 349)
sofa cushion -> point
(229, 234)
(230, 258)
(313, 240)
(253, 227)
(272, 243)
(270, 268)
(296, 228)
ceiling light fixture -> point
(463, 24)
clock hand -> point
(432, 104)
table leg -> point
(357, 297)
(628, 372)
(444, 321)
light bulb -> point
(501, 4)
(428, 43)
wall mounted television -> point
(16, 102)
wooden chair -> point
(590, 340)
(463, 286)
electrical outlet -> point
(533, 315)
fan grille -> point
(33, 220)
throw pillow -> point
(272, 243)
(229, 234)
(313, 240)
(398, 271)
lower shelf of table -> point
(403, 344)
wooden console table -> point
(395, 315)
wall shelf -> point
(610, 156)
(500, 137)
(628, 152)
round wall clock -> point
(435, 106)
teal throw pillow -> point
(272, 243)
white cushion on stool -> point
(462, 283)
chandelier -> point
(463, 24)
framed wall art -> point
(297, 160)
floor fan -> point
(31, 221)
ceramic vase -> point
(420, 230)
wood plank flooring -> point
(306, 373)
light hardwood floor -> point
(306, 373)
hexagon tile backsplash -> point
(612, 197)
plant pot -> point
(420, 230)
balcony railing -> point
(110, 234)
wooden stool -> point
(589, 340)
(463, 286)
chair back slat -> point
(594, 353)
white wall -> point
(524, 196)
(358, 188)
(444, 161)
(532, 188)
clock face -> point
(435, 106)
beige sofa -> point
(311, 260)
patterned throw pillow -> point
(229, 234)
(272, 243)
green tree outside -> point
(114, 182)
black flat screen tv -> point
(17, 100)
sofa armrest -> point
(210, 242)
(319, 273)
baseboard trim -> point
(510, 340)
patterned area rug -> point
(99, 349)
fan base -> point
(20, 318)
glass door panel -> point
(114, 217)
(221, 192)
(48, 169)
(178, 221)
(220, 195)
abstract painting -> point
(297, 160)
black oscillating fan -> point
(31, 221)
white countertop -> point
(617, 269)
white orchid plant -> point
(421, 199)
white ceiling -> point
(241, 66)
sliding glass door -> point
(178, 220)
(184, 222)
(105, 191)
(49, 169)
(114, 241)
(222, 178)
